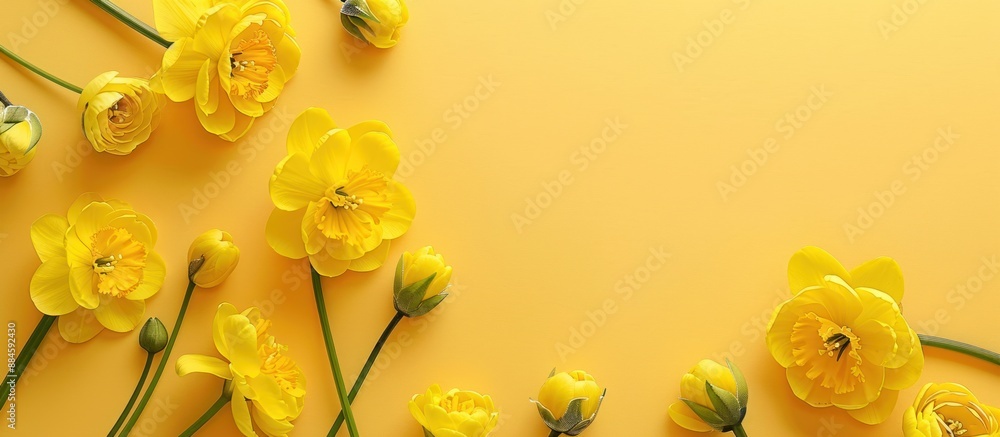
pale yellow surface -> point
(523, 291)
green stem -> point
(739, 431)
(130, 21)
(963, 348)
(39, 71)
(338, 376)
(163, 363)
(368, 367)
(3, 99)
(135, 394)
(223, 400)
(555, 433)
(30, 346)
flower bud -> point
(211, 258)
(568, 402)
(153, 336)
(20, 131)
(375, 21)
(713, 397)
(421, 282)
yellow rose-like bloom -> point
(98, 267)
(119, 113)
(211, 258)
(947, 410)
(233, 57)
(259, 369)
(458, 413)
(15, 143)
(728, 386)
(842, 338)
(335, 198)
(382, 32)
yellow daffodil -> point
(119, 113)
(713, 397)
(259, 369)
(233, 57)
(949, 410)
(20, 131)
(421, 280)
(458, 413)
(842, 337)
(568, 402)
(335, 199)
(211, 258)
(375, 21)
(98, 267)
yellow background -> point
(560, 70)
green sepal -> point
(576, 430)
(12, 115)
(706, 415)
(572, 422)
(351, 28)
(427, 305)
(397, 280)
(724, 402)
(358, 8)
(409, 298)
(427, 433)
(742, 391)
(361, 23)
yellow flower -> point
(948, 410)
(568, 402)
(421, 281)
(20, 131)
(259, 369)
(119, 113)
(458, 413)
(211, 258)
(375, 21)
(98, 267)
(713, 397)
(335, 198)
(842, 338)
(233, 57)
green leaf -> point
(427, 305)
(397, 281)
(351, 28)
(361, 23)
(724, 402)
(708, 416)
(358, 8)
(742, 391)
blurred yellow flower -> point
(335, 198)
(20, 131)
(119, 113)
(233, 57)
(949, 410)
(842, 337)
(421, 280)
(720, 409)
(375, 21)
(458, 413)
(568, 402)
(260, 371)
(98, 267)
(211, 258)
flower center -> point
(952, 427)
(349, 209)
(458, 404)
(119, 261)
(252, 61)
(121, 112)
(273, 361)
(812, 334)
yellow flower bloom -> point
(842, 337)
(119, 113)
(379, 24)
(233, 57)
(698, 411)
(335, 198)
(20, 131)
(98, 267)
(568, 402)
(458, 413)
(259, 369)
(948, 410)
(415, 292)
(211, 258)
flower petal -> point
(271, 426)
(225, 310)
(93, 87)
(152, 278)
(308, 131)
(79, 326)
(81, 286)
(377, 151)
(82, 201)
(176, 19)
(289, 54)
(683, 416)
(48, 235)
(178, 75)
(50, 288)
(907, 375)
(396, 221)
(120, 315)
(284, 233)
(882, 274)
(809, 266)
(240, 339)
(878, 411)
(187, 364)
(294, 187)
(371, 260)
(329, 160)
(241, 414)
(367, 126)
(327, 265)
